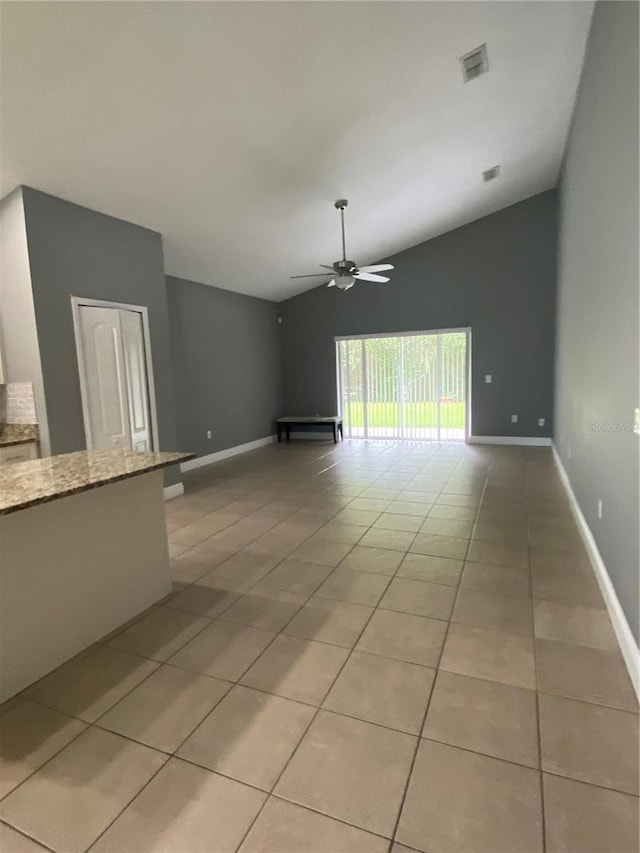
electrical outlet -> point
(599, 507)
(636, 421)
(488, 378)
(540, 421)
(514, 419)
(208, 433)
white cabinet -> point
(18, 453)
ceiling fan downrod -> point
(340, 205)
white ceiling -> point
(232, 127)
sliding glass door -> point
(410, 386)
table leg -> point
(279, 432)
(288, 432)
(335, 433)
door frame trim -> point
(78, 302)
(468, 364)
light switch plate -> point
(636, 421)
(488, 378)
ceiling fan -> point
(345, 273)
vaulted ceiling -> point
(232, 127)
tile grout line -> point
(323, 814)
(543, 826)
(236, 683)
(241, 593)
(220, 616)
(276, 523)
(208, 675)
(44, 764)
(314, 717)
(433, 687)
(134, 797)
(24, 834)
(377, 607)
(90, 724)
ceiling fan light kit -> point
(346, 272)
(344, 282)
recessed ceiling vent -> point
(474, 63)
(491, 174)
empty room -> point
(319, 426)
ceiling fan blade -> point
(367, 276)
(376, 268)
(332, 283)
(312, 275)
(324, 266)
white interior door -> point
(105, 397)
(114, 378)
(135, 363)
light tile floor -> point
(369, 647)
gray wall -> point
(496, 275)
(227, 366)
(597, 379)
(77, 251)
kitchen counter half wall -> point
(27, 484)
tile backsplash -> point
(17, 405)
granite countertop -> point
(18, 434)
(26, 484)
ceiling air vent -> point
(474, 63)
(491, 174)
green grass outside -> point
(417, 415)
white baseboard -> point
(173, 491)
(626, 640)
(210, 458)
(523, 440)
